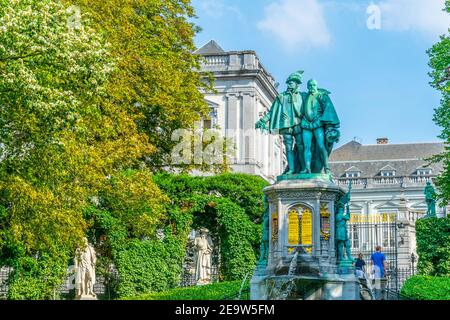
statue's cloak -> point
(329, 117)
(285, 111)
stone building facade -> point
(245, 90)
(388, 184)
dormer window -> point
(424, 172)
(387, 171)
(353, 172)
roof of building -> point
(388, 168)
(211, 47)
(405, 159)
(355, 151)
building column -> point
(332, 243)
(281, 228)
(231, 122)
(316, 227)
(249, 118)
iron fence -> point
(188, 278)
(4, 275)
(366, 235)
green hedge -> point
(146, 266)
(427, 288)
(216, 291)
(229, 205)
(433, 246)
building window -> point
(390, 173)
(207, 124)
(353, 174)
(386, 238)
(424, 172)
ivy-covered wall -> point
(229, 205)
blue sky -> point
(370, 54)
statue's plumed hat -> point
(296, 76)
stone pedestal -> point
(302, 251)
(86, 297)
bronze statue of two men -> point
(308, 123)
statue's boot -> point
(307, 170)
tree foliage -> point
(156, 80)
(440, 74)
(59, 144)
(433, 246)
(88, 104)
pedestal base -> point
(302, 261)
(86, 297)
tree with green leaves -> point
(60, 144)
(157, 79)
(440, 74)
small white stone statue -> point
(203, 250)
(85, 272)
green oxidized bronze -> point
(341, 218)
(430, 198)
(284, 118)
(308, 123)
(319, 125)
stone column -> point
(271, 246)
(332, 241)
(249, 117)
(280, 228)
(231, 120)
(316, 227)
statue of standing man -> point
(430, 198)
(284, 118)
(85, 260)
(342, 238)
(203, 251)
(319, 123)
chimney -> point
(382, 141)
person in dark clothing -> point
(360, 265)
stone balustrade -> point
(377, 182)
(235, 61)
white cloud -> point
(218, 8)
(415, 15)
(296, 23)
